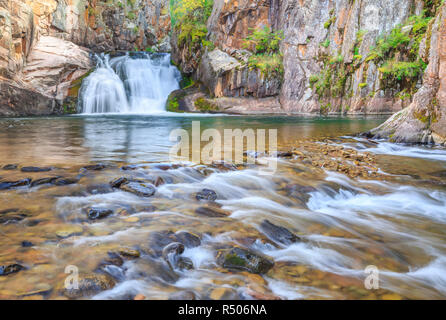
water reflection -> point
(132, 138)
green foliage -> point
(337, 59)
(431, 7)
(326, 43)
(131, 15)
(183, 10)
(399, 41)
(264, 41)
(189, 18)
(186, 82)
(268, 64)
(329, 22)
(362, 85)
(266, 46)
(395, 40)
(172, 105)
(400, 70)
(398, 54)
(325, 108)
(204, 105)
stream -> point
(318, 228)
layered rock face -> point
(45, 46)
(339, 57)
(17, 35)
(105, 25)
(424, 121)
(343, 31)
(331, 40)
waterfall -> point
(137, 83)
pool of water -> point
(395, 223)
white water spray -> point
(139, 83)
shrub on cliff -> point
(265, 44)
(189, 18)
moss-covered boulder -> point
(240, 259)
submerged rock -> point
(10, 167)
(11, 216)
(90, 285)
(99, 189)
(190, 240)
(39, 289)
(212, 212)
(114, 258)
(27, 244)
(129, 253)
(5, 185)
(94, 167)
(112, 270)
(36, 169)
(185, 263)
(278, 234)
(224, 294)
(65, 181)
(116, 183)
(129, 167)
(244, 260)
(10, 269)
(182, 295)
(159, 239)
(69, 231)
(139, 188)
(207, 195)
(41, 181)
(98, 213)
(171, 252)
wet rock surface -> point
(278, 234)
(4, 185)
(206, 195)
(12, 216)
(90, 285)
(244, 260)
(10, 167)
(42, 181)
(211, 212)
(140, 189)
(36, 169)
(10, 269)
(98, 213)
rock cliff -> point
(424, 121)
(338, 57)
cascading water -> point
(137, 83)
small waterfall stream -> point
(137, 83)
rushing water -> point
(397, 224)
(137, 83)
